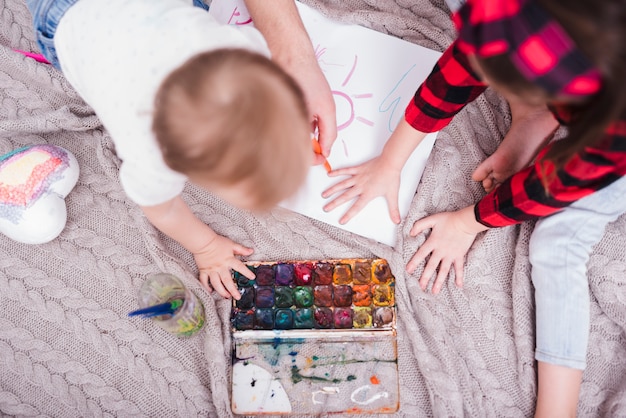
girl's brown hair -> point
(232, 117)
(599, 30)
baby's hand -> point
(215, 262)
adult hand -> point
(367, 181)
(451, 236)
(282, 27)
(319, 98)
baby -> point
(183, 98)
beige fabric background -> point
(67, 348)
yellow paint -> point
(17, 172)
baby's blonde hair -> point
(232, 117)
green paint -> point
(303, 296)
(297, 377)
(351, 378)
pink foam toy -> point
(34, 182)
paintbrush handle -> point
(160, 309)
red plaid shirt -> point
(451, 85)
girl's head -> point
(236, 124)
(559, 52)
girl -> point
(555, 61)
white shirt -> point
(116, 53)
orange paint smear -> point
(374, 380)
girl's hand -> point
(451, 237)
(367, 181)
(215, 262)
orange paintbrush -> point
(318, 150)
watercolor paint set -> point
(312, 337)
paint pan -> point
(315, 337)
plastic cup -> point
(163, 287)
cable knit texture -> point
(68, 349)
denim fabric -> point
(200, 3)
(46, 17)
(455, 5)
(560, 247)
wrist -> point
(469, 224)
(200, 245)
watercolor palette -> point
(335, 294)
(312, 337)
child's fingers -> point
(442, 274)
(359, 204)
(458, 272)
(216, 282)
(419, 256)
(239, 249)
(348, 171)
(204, 281)
(346, 196)
(429, 270)
(481, 173)
(342, 185)
(394, 211)
(488, 184)
(239, 266)
(229, 284)
(421, 225)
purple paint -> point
(264, 297)
(265, 275)
(284, 274)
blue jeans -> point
(46, 17)
(559, 249)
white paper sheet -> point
(373, 77)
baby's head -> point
(235, 124)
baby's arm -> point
(377, 177)
(280, 24)
(214, 254)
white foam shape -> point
(43, 218)
(255, 390)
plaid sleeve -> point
(523, 197)
(449, 87)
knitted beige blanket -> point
(68, 349)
